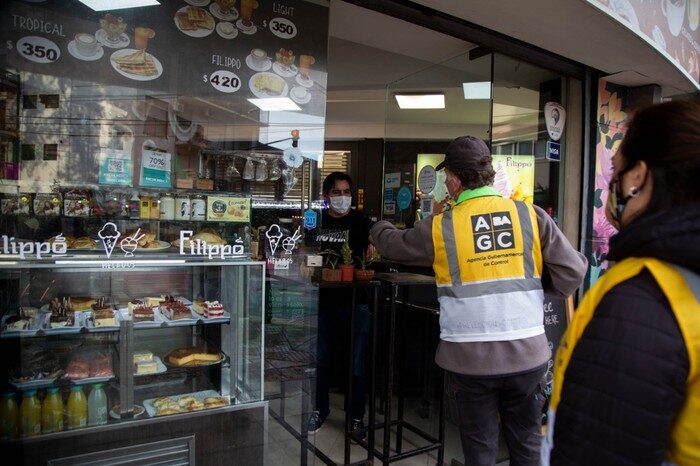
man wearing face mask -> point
(340, 223)
(627, 373)
(489, 255)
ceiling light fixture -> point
(275, 104)
(477, 91)
(420, 101)
(102, 5)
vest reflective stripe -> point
(682, 289)
(527, 234)
(472, 290)
(488, 290)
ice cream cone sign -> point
(109, 235)
(274, 235)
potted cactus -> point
(330, 272)
(364, 274)
(346, 267)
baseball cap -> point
(467, 153)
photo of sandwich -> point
(138, 65)
(194, 21)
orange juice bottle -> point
(9, 417)
(30, 414)
(77, 410)
(52, 411)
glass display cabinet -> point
(165, 336)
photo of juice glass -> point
(247, 7)
(305, 62)
(142, 36)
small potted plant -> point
(363, 274)
(330, 272)
(346, 267)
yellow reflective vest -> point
(488, 267)
(682, 289)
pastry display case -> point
(158, 337)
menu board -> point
(240, 49)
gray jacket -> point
(566, 268)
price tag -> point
(223, 81)
(115, 167)
(283, 28)
(155, 169)
(38, 49)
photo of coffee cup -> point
(86, 44)
(142, 36)
(259, 57)
(300, 93)
(674, 11)
(226, 27)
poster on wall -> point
(515, 176)
(241, 50)
(114, 167)
(155, 169)
(671, 26)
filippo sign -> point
(554, 118)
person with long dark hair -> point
(627, 373)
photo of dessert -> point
(189, 357)
(224, 10)
(265, 84)
(138, 65)
(284, 63)
(186, 403)
(112, 32)
(194, 21)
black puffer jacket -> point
(626, 379)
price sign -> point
(223, 81)
(155, 169)
(38, 49)
(283, 28)
(115, 167)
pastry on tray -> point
(174, 309)
(193, 357)
(215, 402)
(143, 313)
(213, 309)
(103, 314)
(144, 368)
(142, 356)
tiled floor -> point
(284, 449)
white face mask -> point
(341, 204)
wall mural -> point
(670, 26)
(611, 116)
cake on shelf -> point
(193, 357)
(132, 304)
(143, 313)
(103, 314)
(213, 309)
(174, 309)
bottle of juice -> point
(77, 410)
(9, 417)
(30, 414)
(97, 406)
(52, 411)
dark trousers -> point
(331, 324)
(474, 404)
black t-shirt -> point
(335, 230)
(331, 235)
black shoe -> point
(315, 422)
(357, 426)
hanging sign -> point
(554, 118)
(427, 178)
(155, 169)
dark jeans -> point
(331, 322)
(474, 403)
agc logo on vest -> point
(492, 232)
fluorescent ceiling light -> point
(275, 104)
(102, 5)
(411, 101)
(475, 91)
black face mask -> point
(617, 201)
